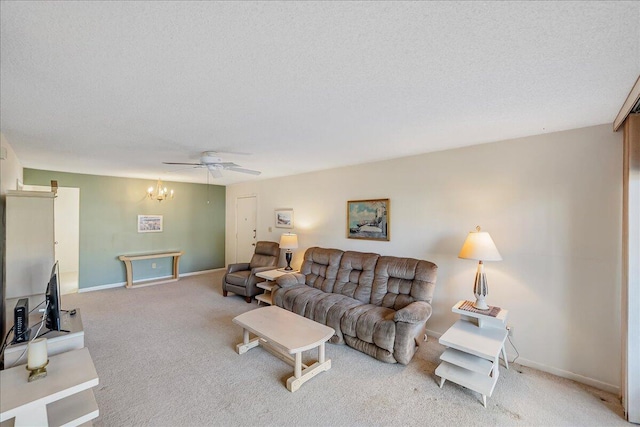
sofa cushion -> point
(295, 298)
(238, 278)
(400, 281)
(371, 324)
(356, 274)
(320, 267)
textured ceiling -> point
(116, 88)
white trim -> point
(570, 375)
(101, 287)
(121, 284)
(555, 371)
(629, 103)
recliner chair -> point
(241, 278)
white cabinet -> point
(29, 247)
(30, 242)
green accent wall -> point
(193, 221)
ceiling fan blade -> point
(178, 163)
(214, 152)
(249, 171)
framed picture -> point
(368, 219)
(284, 218)
(149, 223)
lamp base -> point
(288, 256)
(480, 304)
(37, 373)
(480, 288)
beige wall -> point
(10, 168)
(552, 204)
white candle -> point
(37, 353)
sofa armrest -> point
(416, 312)
(237, 267)
(289, 280)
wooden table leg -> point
(247, 344)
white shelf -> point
(74, 410)
(483, 384)
(69, 376)
(265, 298)
(57, 341)
(267, 286)
(470, 338)
(467, 361)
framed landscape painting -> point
(284, 218)
(149, 223)
(368, 219)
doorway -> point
(66, 217)
(246, 227)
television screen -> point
(53, 300)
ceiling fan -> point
(210, 160)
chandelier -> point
(160, 193)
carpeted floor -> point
(166, 357)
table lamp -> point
(288, 241)
(479, 246)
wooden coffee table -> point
(284, 334)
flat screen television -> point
(52, 313)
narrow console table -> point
(57, 341)
(474, 343)
(63, 398)
(127, 259)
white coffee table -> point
(284, 334)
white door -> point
(246, 231)
(67, 234)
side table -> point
(474, 343)
(63, 397)
(270, 277)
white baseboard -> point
(101, 287)
(555, 371)
(570, 375)
(121, 284)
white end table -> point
(474, 343)
(63, 397)
(270, 276)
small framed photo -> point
(368, 219)
(284, 218)
(149, 223)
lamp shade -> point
(479, 246)
(288, 241)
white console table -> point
(57, 341)
(63, 398)
(128, 264)
(474, 344)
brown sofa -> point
(376, 304)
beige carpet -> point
(166, 357)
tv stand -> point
(71, 338)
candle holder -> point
(38, 372)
